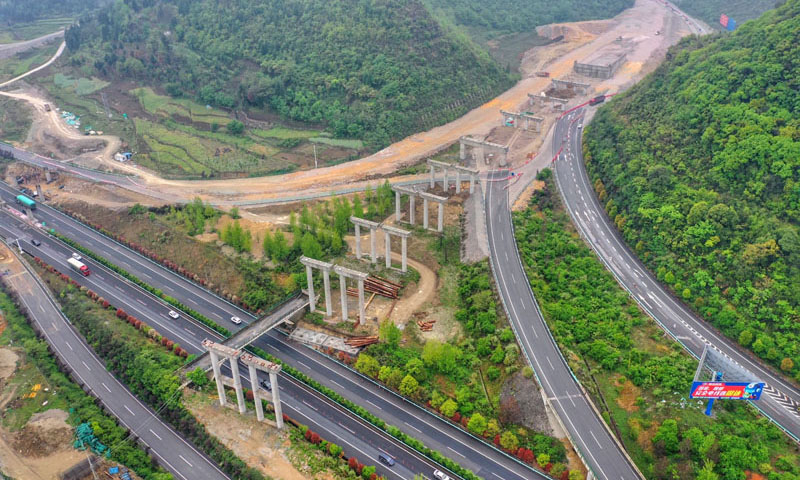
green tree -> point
(367, 365)
(667, 435)
(390, 334)
(509, 441)
(449, 408)
(409, 386)
(235, 127)
(477, 424)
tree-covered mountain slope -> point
(490, 18)
(739, 10)
(699, 166)
(373, 69)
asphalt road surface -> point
(409, 418)
(587, 430)
(781, 399)
(172, 452)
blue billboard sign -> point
(727, 390)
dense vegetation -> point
(496, 17)
(369, 70)
(637, 376)
(739, 10)
(699, 167)
(15, 11)
(462, 379)
(82, 407)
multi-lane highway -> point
(782, 399)
(171, 451)
(411, 419)
(587, 430)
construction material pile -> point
(378, 285)
(361, 341)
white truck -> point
(78, 266)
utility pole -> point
(315, 155)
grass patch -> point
(22, 62)
(339, 142)
(162, 105)
(282, 133)
(15, 120)
(81, 85)
(28, 31)
(185, 149)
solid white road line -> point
(129, 410)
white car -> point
(440, 475)
(236, 320)
(174, 314)
(77, 257)
(580, 125)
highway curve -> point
(782, 399)
(587, 430)
(171, 451)
(415, 421)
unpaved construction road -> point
(650, 27)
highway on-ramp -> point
(587, 430)
(782, 398)
(412, 419)
(171, 451)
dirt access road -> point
(639, 23)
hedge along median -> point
(352, 407)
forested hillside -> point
(370, 69)
(13, 11)
(699, 166)
(739, 10)
(490, 18)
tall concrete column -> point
(404, 249)
(358, 241)
(311, 300)
(361, 317)
(372, 245)
(458, 181)
(433, 179)
(479, 156)
(441, 217)
(425, 213)
(256, 396)
(326, 280)
(462, 154)
(388, 250)
(237, 384)
(396, 206)
(276, 399)
(471, 183)
(218, 377)
(444, 179)
(343, 291)
(411, 208)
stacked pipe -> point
(361, 341)
(381, 286)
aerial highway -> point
(602, 453)
(171, 451)
(782, 399)
(417, 422)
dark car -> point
(266, 385)
(386, 460)
(36, 242)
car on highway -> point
(77, 257)
(386, 459)
(266, 385)
(35, 242)
(174, 314)
(236, 320)
(440, 475)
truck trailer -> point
(25, 201)
(78, 266)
